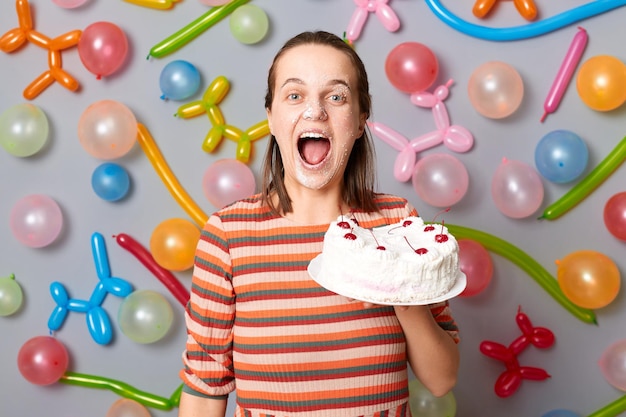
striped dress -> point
(259, 324)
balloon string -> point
(123, 389)
(530, 30)
(526, 263)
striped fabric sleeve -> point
(443, 316)
(209, 316)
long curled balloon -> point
(592, 181)
(561, 20)
(527, 264)
(612, 409)
(123, 389)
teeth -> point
(312, 135)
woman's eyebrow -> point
(333, 82)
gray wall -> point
(63, 171)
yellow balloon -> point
(601, 82)
(588, 278)
(173, 244)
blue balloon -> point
(110, 181)
(561, 156)
(560, 413)
(179, 80)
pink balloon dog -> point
(454, 137)
(385, 14)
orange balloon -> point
(588, 278)
(173, 244)
(601, 82)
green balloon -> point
(145, 316)
(249, 24)
(10, 296)
(422, 403)
(23, 129)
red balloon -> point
(411, 67)
(475, 262)
(615, 215)
(102, 48)
(42, 360)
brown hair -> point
(359, 177)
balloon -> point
(185, 35)
(613, 364)
(145, 316)
(383, 11)
(593, 180)
(107, 129)
(11, 296)
(560, 413)
(123, 389)
(102, 48)
(588, 278)
(23, 129)
(145, 257)
(173, 244)
(151, 150)
(226, 181)
(516, 189)
(179, 80)
(495, 89)
(441, 180)
(476, 264)
(615, 215)
(526, 8)
(125, 407)
(424, 404)
(110, 181)
(601, 82)
(526, 31)
(36, 220)
(533, 268)
(561, 156)
(69, 4)
(214, 2)
(566, 71)
(42, 360)
(249, 24)
(411, 67)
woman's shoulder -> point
(246, 209)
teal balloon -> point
(424, 404)
(179, 80)
(11, 296)
(145, 316)
(23, 129)
(110, 181)
(561, 156)
(249, 24)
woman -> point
(256, 321)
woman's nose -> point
(315, 111)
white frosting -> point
(419, 262)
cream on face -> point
(315, 115)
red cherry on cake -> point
(350, 236)
(429, 228)
(344, 225)
(381, 248)
(407, 223)
(441, 238)
(421, 251)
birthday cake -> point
(408, 262)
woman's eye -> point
(337, 97)
(293, 96)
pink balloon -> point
(69, 4)
(36, 220)
(440, 179)
(613, 364)
(516, 189)
(495, 89)
(411, 67)
(42, 360)
(102, 48)
(476, 264)
(615, 215)
(226, 181)
(107, 129)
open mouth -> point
(313, 148)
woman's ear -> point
(362, 123)
(268, 112)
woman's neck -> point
(316, 206)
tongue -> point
(313, 151)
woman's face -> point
(315, 115)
